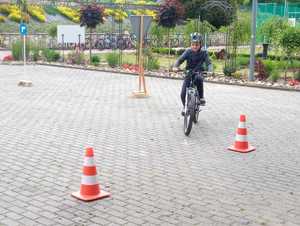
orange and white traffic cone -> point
(89, 188)
(241, 141)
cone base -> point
(249, 149)
(102, 194)
(25, 83)
(139, 94)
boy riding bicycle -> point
(195, 58)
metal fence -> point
(102, 41)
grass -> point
(164, 60)
(130, 58)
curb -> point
(154, 76)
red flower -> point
(293, 82)
(8, 58)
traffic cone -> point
(241, 143)
(89, 188)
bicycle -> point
(192, 103)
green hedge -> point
(165, 51)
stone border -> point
(118, 71)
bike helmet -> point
(196, 37)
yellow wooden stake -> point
(142, 92)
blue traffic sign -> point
(23, 29)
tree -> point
(217, 12)
(91, 16)
(272, 30)
(290, 42)
(170, 14)
(52, 31)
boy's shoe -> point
(183, 111)
(202, 101)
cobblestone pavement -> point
(157, 176)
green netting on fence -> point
(267, 10)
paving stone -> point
(157, 175)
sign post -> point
(140, 26)
(23, 32)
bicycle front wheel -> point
(189, 117)
(197, 110)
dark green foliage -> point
(95, 60)
(269, 66)
(170, 14)
(91, 15)
(272, 29)
(275, 75)
(152, 64)
(112, 59)
(290, 40)
(17, 50)
(165, 51)
(52, 31)
(229, 70)
(51, 10)
(51, 55)
(242, 61)
(217, 12)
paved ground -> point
(156, 175)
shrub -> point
(165, 51)
(52, 31)
(280, 64)
(118, 15)
(51, 55)
(51, 10)
(34, 53)
(37, 12)
(17, 50)
(95, 60)
(274, 76)
(76, 57)
(13, 12)
(5, 9)
(8, 58)
(2, 19)
(17, 17)
(297, 76)
(269, 66)
(242, 61)
(112, 59)
(229, 70)
(152, 64)
(261, 70)
(70, 13)
(237, 75)
(144, 12)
